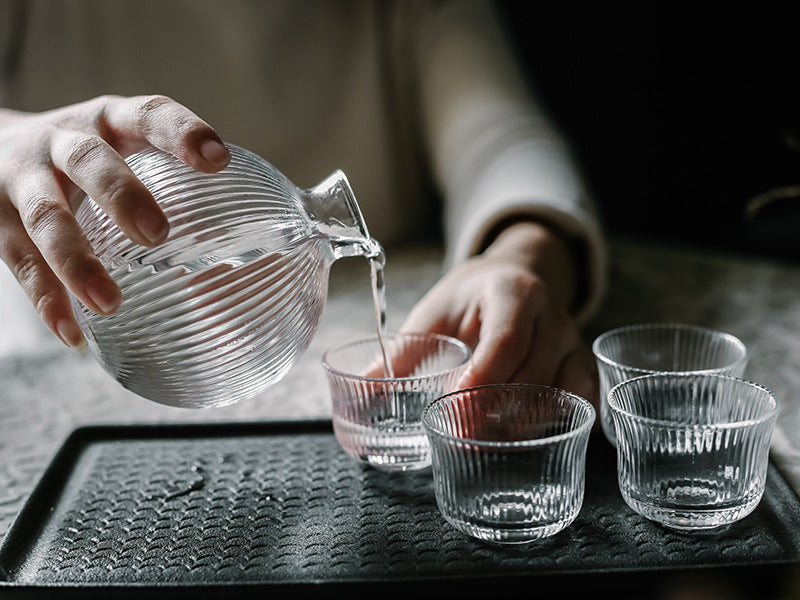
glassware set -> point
(647, 348)
(692, 437)
(226, 306)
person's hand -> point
(510, 305)
(49, 160)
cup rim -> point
(389, 336)
(583, 428)
(667, 326)
(768, 415)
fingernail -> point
(71, 334)
(151, 224)
(104, 294)
(214, 152)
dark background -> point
(679, 115)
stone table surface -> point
(46, 390)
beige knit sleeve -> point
(495, 153)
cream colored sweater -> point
(404, 96)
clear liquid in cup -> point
(393, 440)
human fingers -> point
(97, 169)
(438, 312)
(35, 277)
(430, 314)
(553, 337)
(559, 357)
(131, 123)
(400, 356)
(50, 227)
(507, 313)
(87, 147)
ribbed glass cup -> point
(643, 349)
(692, 449)
(226, 305)
(376, 418)
(509, 461)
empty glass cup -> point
(509, 460)
(692, 449)
(635, 350)
(224, 308)
(376, 416)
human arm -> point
(49, 160)
(525, 253)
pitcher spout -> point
(332, 206)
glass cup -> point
(509, 459)
(643, 349)
(692, 449)
(376, 418)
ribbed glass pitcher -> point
(225, 307)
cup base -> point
(692, 519)
(511, 517)
(389, 448)
(521, 534)
(394, 465)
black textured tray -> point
(239, 510)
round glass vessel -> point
(223, 308)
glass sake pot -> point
(228, 303)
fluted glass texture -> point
(509, 461)
(692, 449)
(642, 349)
(225, 306)
(376, 417)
